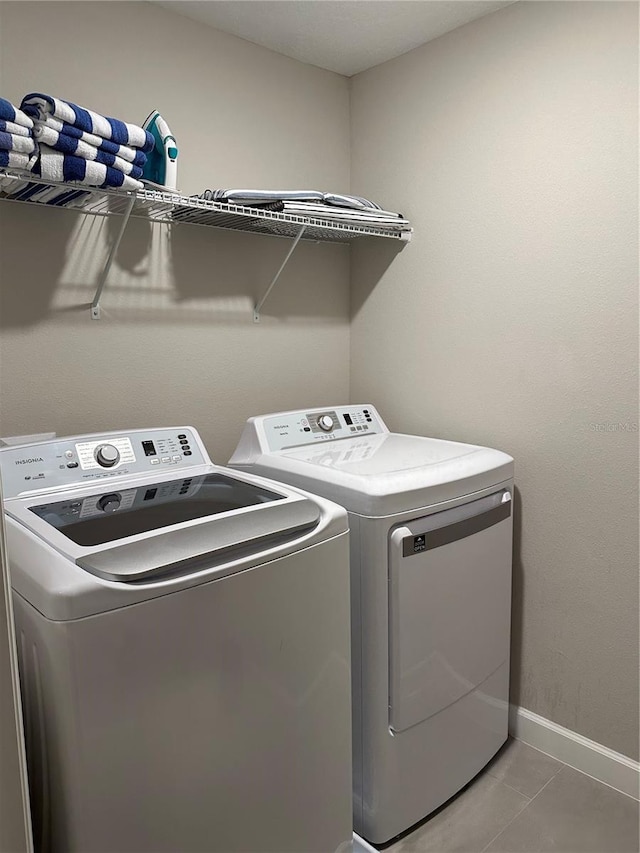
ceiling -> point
(346, 36)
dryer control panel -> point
(89, 458)
(293, 429)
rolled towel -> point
(40, 106)
(71, 145)
(126, 152)
(10, 113)
(20, 144)
(15, 129)
(53, 165)
(14, 160)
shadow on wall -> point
(52, 263)
(213, 264)
(370, 259)
(517, 600)
(33, 246)
(232, 271)
(131, 252)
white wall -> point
(512, 318)
(176, 343)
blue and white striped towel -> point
(70, 145)
(15, 160)
(10, 113)
(15, 129)
(43, 194)
(39, 106)
(20, 144)
(126, 152)
(53, 165)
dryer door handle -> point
(490, 511)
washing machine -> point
(183, 636)
(431, 540)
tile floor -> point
(527, 802)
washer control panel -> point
(86, 459)
(293, 429)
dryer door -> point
(449, 606)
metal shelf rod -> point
(260, 303)
(95, 305)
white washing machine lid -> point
(374, 474)
(81, 542)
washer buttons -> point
(187, 453)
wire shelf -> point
(173, 208)
(176, 209)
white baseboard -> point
(586, 755)
(362, 846)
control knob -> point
(110, 503)
(325, 422)
(107, 455)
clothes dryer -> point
(431, 534)
(183, 637)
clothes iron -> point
(161, 167)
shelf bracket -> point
(260, 303)
(95, 305)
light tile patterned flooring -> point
(527, 802)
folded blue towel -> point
(71, 145)
(21, 144)
(12, 127)
(40, 106)
(55, 166)
(10, 113)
